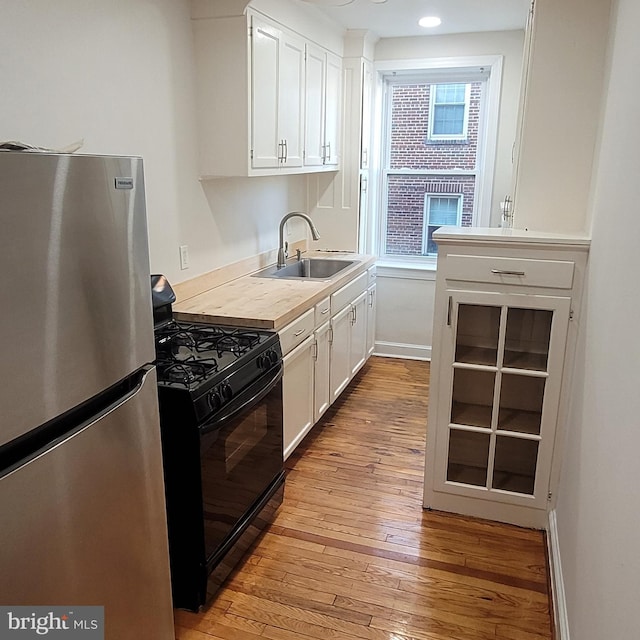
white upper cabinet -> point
(254, 99)
(322, 110)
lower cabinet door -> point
(340, 350)
(501, 364)
(358, 346)
(371, 320)
(298, 394)
(322, 390)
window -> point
(449, 111)
(439, 211)
(438, 131)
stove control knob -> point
(273, 356)
(215, 402)
(226, 391)
(264, 362)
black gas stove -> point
(220, 396)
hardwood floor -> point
(352, 555)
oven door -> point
(241, 457)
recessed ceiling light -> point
(429, 21)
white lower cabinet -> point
(502, 343)
(298, 394)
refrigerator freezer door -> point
(75, 292)
(84, 523)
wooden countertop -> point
(266, 303)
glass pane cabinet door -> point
(505, 365)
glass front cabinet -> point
(496, 382)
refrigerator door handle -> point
(30, 445)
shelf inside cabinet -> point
(473, 415)
(521, 398)
(519, 421)
(472, 400)
(525, 360)
(477, 334)
(514, 467)
(468, 457)
(468, 354)
(467, 474)
(513, 482)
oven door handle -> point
(218, 421)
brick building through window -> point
(431, 170)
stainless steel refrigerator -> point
(83, 517)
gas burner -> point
(186, 372)
(174, 333)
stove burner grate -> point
(236, 342)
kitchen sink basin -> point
(307, 269)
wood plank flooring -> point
(353, 556)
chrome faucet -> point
(282, 251)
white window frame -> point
(436, 137)
(372, 236)
(425, 227)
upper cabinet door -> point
(291, 99)
(265, 63)
(332, 110)
(323, 107)
(314, 106)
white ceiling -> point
(398, 18)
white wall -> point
(597, 512)
(120, 74)
(562, 105)
(404, 314)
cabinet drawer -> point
(372, 274)
(553, 274)
(295, 332)
(322, 311)
(342, 297)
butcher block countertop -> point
(267, 303)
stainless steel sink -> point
(307, 269)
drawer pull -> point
(324, 312)
(299, 332)
(505, 272)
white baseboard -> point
(400, 350)
(561, 620)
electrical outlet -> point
(184, 256)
